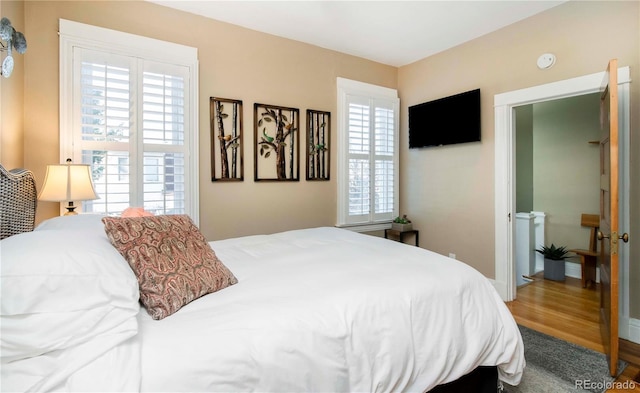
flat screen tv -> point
(445, 121)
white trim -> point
(125, 43)
(624, 123)
(366, 89)
(366, 227)
(504, 177)
(574, 270)
(633, 333)
(562, 89)
(504, 196)
(74, 34)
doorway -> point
(557, 163)
(505, 174)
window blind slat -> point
(110, 106)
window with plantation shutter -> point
(368, 155)
(128, 109)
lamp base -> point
(71, 210)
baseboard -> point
(501, 288)
(574, 270)
(629, 351)
(634, 330)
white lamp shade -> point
(68, 182)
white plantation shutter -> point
(132, 120)
(368, 154)
(358, 158)
(385, 157)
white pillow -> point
(84, 222)
(61, 288)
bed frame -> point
(483, 379)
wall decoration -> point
(13, 40)
(277, 140)
(318, 133)
(226, 139)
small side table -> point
(401, 235)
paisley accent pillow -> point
(172, 260)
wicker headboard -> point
(18, 200)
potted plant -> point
(554, 261)
(401, 224)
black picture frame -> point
(318, 145)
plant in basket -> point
(554, 261)
(401, 224)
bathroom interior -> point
(557, 180)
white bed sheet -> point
(329, 310)
(68, 311)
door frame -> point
(504, 175)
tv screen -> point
(446, 121)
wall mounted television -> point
(445, 121)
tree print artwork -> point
(318, 126)
(226, 139)
(276, 136)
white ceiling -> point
(390, 32)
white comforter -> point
(329, 310)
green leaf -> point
(267, 155)
(224, 115)
(554, 253)
(260, 123)
(285, 117)
(268, 119)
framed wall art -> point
(226, 139)
(277, 141)
(318, 142)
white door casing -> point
(504, 104)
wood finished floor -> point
(567, 311)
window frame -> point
(75, 34)
(345, 88)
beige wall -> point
(234, 63)
(448, 191)
(12, 96)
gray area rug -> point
(558, 366)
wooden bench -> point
(589, 258)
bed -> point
(319, 309)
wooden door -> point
(608, 233)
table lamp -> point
(68, 182)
